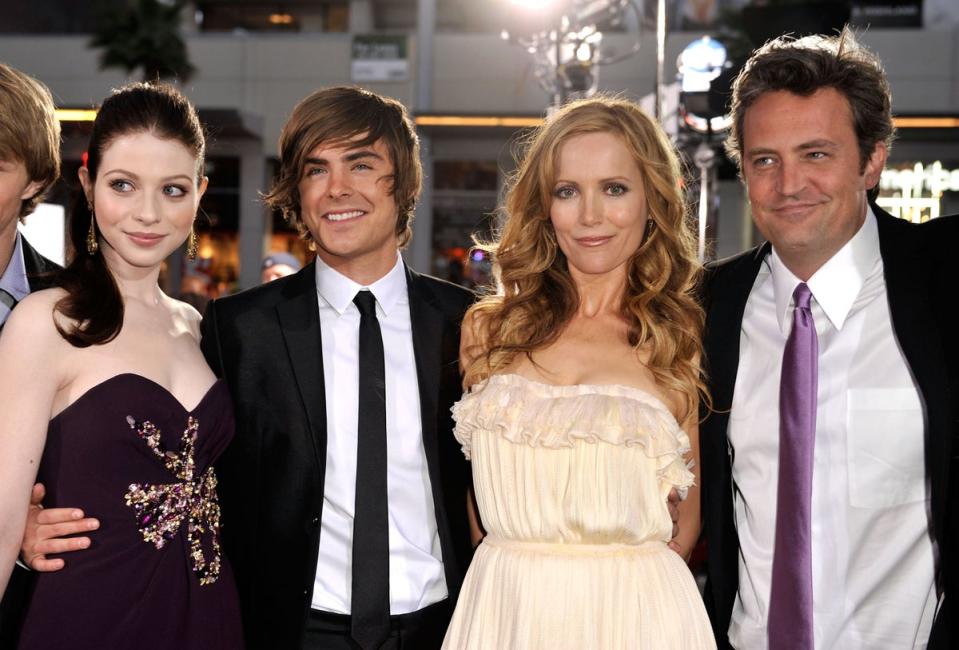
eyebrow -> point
(126, 172)
(611, 179)
(350, 157)
(805, 146)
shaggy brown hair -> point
(536, 296)
(349, 114)
(29, 131)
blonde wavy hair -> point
(534, 294)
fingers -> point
(45, 566)
(58, 545)
(675, 547)
(49, 516)
(37, 494)
(48, 532)
(673, 497)
(36, 558)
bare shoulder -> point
(36, 313)
(31, 329)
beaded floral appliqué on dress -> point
(161, 509)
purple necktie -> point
(790, 600)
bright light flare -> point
(534, 4)
(700, 63)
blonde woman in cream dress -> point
(583, 391)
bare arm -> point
(689, 514)
(468, 346)
(30, 348)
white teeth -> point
(343, 216)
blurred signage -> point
(915, 192)
(886, 13)
(379, 57)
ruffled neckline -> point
(556, 416)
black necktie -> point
(370, 606)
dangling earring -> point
(92, 245)
(192, 245)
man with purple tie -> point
(827, 460)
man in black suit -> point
(29, 165)
(829, 483)
(344, 510)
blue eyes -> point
(171, 191)
(315, 171)
(768, 161)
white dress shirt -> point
(872, 558)
(13, 280)
(416, 562)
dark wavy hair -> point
(93, 303)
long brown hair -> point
(535, 296)
(93, 302)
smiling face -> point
(599, 209)
(806, 185)
(347, 204)
(145, 197)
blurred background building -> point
(476, 74)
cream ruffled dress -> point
(571, 483)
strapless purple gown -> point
(128, 453)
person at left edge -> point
(290, 352)
(29, 165)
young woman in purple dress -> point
(116, 410)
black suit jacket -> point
(265, 343)
(39, 271)
(921, 287)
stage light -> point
(705, 75)
(564, 38)
(534, 4)
(584, 53)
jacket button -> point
(315, 521)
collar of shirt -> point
(14, 279)
(837, 283)
(338, 291)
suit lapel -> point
(299, 320)
(37, 267)
(426, 321)
(726, 305)
(727, 290)
(428, 324)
